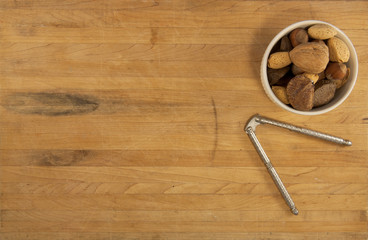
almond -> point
(280, 93)
(321, 31)
(278, 60)
(338, 50)
(310, 57)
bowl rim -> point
(323, 109)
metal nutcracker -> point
(250, 129)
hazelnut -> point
(298, 36)
(340, 83)
(335, 71)
(285, 44)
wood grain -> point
(124, 119)
(180, 236)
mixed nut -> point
(306, 67)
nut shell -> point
(300, 93)
(285, 79)
(335, 71)
(274, 75)
(296, 70)
(324, 93)
(321, 31)
(318, 41)
(339, 83)
(312, 76)
(280, 93)
(279, 60)
(298, 36)
(285, 44)
(338, 50)
(321, 75)
(310, 57)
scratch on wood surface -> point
(50, 104)
(216, 129)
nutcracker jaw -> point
(252, 123)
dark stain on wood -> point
(64, 158)
(216, 129)
(153, 36)
(50, 104)
(108, 158)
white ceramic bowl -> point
(341, 94)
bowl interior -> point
(340, 95)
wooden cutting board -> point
(124, 120)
